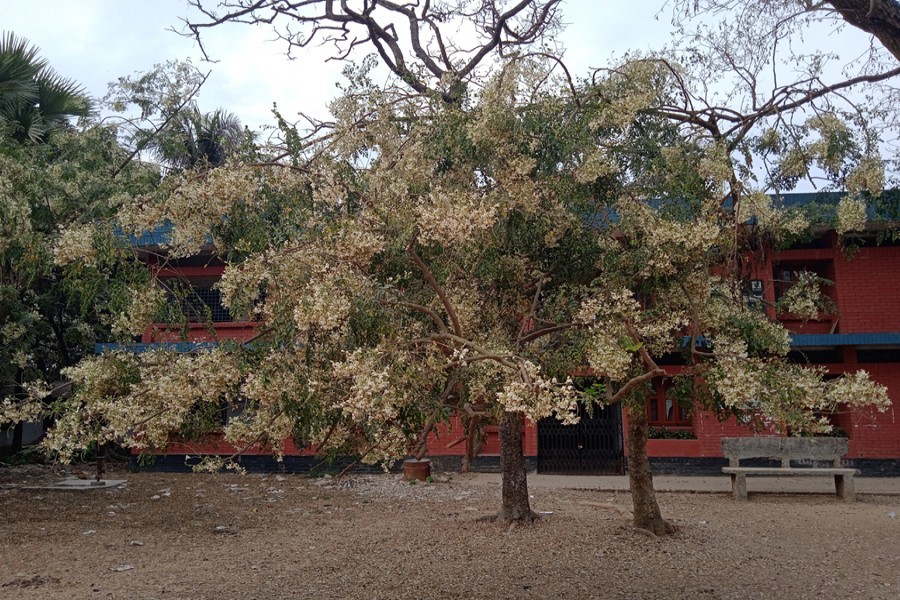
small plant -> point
(29, 455)
(664, 433)
(429, 479)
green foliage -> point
(34, 100)
(168, 122)
(665, 433)
(51, 312)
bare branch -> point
(421, 57)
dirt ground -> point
(369, 537)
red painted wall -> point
(868, 290)
(873, 434)
(200, 332)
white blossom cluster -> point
(537, 397)
(769, 218)
(827, 150)
(669, 243)
(29, 408)
(867, 176)
(12, 331)
(851, 215)
(804, 297)
(448, 218)
(857, 389)
(735, 377)
(376, 391)
(792, 397)
(138, 400)
(196, 203)
(372, 394)
(612, 347)
(322, 302)
(76, 244)
(595, 165)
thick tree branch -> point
(434, 285)
(633, 383)
(442, 327)
(881, 18)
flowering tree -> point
(423, 281)
(67, 278)
(424, 256)
(742, 134)
(422, 259)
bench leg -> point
(739, 486)
(845, 487)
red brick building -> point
(863, 332)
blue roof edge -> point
(812, 340)
(146, 347)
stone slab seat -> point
(786, 450)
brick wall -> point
(866, 288)
(449, 434)
(200, 332)
(873, 434)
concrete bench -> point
(786, 450)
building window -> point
(786, 274)
(197, 301)
(664, 409)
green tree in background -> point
(55, 176)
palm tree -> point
(34, 100)
(195, 139)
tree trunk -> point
(18, 430)
(473, 442)
(516, 506)
(879, 18)
(643, 496)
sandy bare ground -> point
(368, 537)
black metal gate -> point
(594, 445)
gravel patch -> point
(377, 536)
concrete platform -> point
(702, 484)
(74, 483)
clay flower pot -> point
(416, 469)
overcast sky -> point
(96, 41)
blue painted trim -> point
(140, 348)
(158, 236)
(844, 339)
